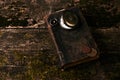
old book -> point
(72, 37)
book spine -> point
(60, 53)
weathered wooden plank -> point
(29, 54)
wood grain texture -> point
(36, 58)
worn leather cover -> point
(73, 46)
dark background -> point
(27, 51)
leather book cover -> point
(72, 37)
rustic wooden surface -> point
(30, 54)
